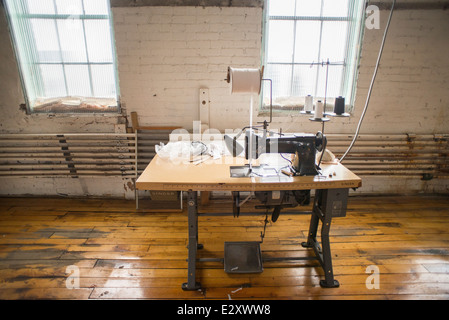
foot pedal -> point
(242, 257)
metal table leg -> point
(326, 257)
(327, 203)
(192, 207)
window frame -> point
(55, 17)
(355, 30)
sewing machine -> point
(303, 146)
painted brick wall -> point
(166, 54)
(411, 88)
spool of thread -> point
(339, 107)
(308, 105)
(244, 80)
(319, 109)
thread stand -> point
(332, 114)
(319, 119)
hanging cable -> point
(371, 84)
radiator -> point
(68, 155)
(127, 155)
(394, 155)
(146, 149)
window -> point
(66, 54)
(307, 42)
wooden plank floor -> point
(123, 253)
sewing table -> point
(330, 198)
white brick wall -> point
(411, 88)
(166, 54)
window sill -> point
(280, 112)
(76, 106)
(285, 106)
(77, 115)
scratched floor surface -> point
(385, 248)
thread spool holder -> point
(332, 114)
(265, 122)
(325, 114)
(324, 119)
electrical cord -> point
(371, 84)
(201, 144)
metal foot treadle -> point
(242, 257)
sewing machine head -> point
(303, 146)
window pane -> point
(69, 7)
(53, 80)
(281, 77)
(308, 8)
(60, 58)
(40, 6)
(280, 43)
(307, 41)
(98, 38)
(304, 80)
(72, 40)
(78, 80)
(335, 8)
(103, 78)
(282, 8)
(46, 40)
(96, 6)
(299, 47)
(333, 41)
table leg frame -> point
(320, 212)
(193, 246)
(323, 253)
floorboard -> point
(106, 249)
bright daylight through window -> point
(66, 55)
(311, 48)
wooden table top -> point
(214, 175)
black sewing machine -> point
(303, 146)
